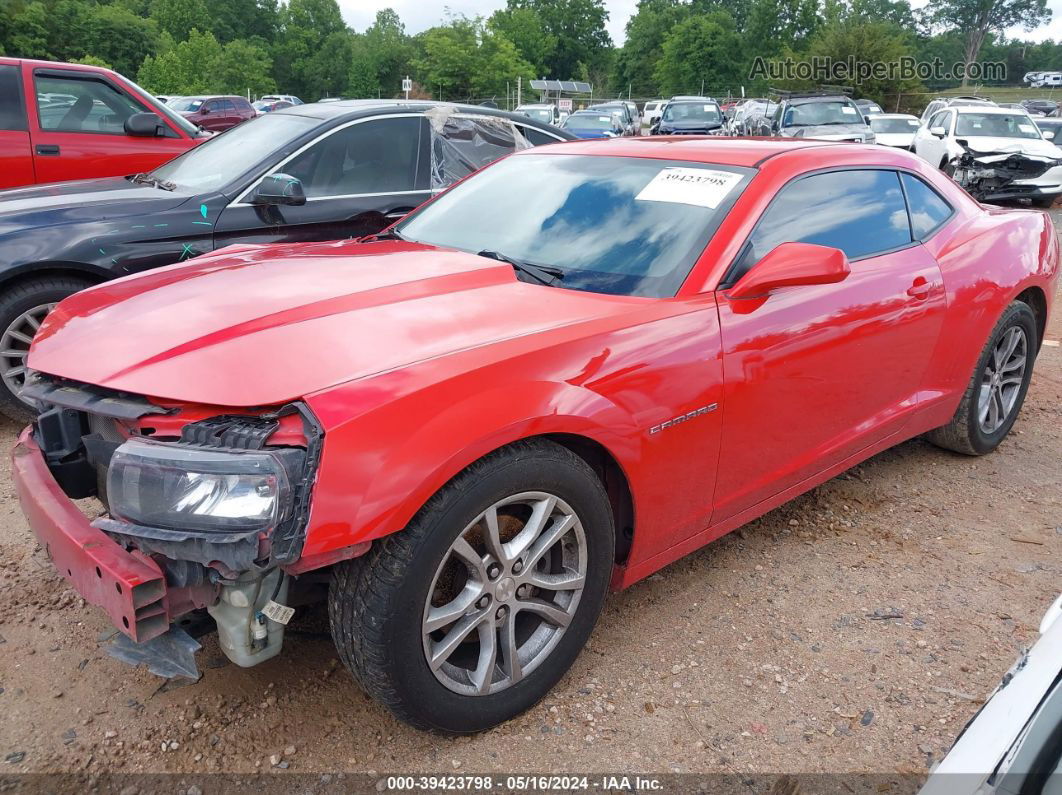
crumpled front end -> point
(199, 513)
(995, 176)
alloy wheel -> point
(504, 594)
(15, 344)
(1002, 379)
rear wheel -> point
(997, 389)
(22, 310)
(473, 613)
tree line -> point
(304, 47)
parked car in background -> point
(543, 112)
(592, 124)
(752, 117)
(560, 375)
(690, 117)
(651, 112)
(895, 129)
(635, 114)
(312, 172)
(269, 105)
(282, 98)
(63, 121)
(869, 107)
(995, 153)
(1012, 744)
(330, 99)
(624, 113)
(1031, 76)
(1050, 129)
(1043, 107)
(215, 113)
(954, 102)
(828, 117)
(1047, 79)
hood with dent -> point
(1038, 147)
(83, 200)
(256, 325)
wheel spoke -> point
(1011, 380)
(483, 675)
(1016, 363)
(547, 611)
(14, 371)
(510, 656)
(19, 336)
(551, 536)
(492, 536)
(993, 411)
(439, 617)
(1010, 342)
(540, 514)
(442, 650)
(568, 580)
(467, 555)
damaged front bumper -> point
(1008, 175)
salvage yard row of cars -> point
(463, 374)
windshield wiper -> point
(387, 234)
(544, 274)
(143, 178)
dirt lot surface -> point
(855, 629)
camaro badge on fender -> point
(683, 418)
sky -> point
(420, 15)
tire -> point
(967, 432)
(380, 604)
(21, 306)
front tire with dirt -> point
(22, 309)
(475, 610)
(997, 388)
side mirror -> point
(204, 111)
(939, 132)
(280, 189)
(1049, 134)
(144, 125)
(792, 265)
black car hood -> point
(84, 200)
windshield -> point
(588, 121)
(187, 105)
(539, 114)
(618, 225)
(215, 163)
(692, 111)
(894, 125)
(995, 125)
(810, 114)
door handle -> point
(47, 149)
(920, 289)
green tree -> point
(465, 60)
(326, 73)
(390, 51)
(578, 26)
(92, 60)
(700, 49)
(647, 29)
(304, 27)
(978, 18)
(201, 65)
(118, 36)
(244, 67)
(526, 29)
(242, 19)
(179, 17)
(776, 25)
(28, 35)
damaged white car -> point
(994, 153)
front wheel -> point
(996, 391)
(472, 614)
(22, 310)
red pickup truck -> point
(61, 121)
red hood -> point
(258, 325)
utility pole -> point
(519, 91)
(702, 88)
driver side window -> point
(941, 119)
(82, 105)
(374, 156)
(861, 212)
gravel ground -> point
(854, 629)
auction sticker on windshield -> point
(700, 187)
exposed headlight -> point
(154, 484)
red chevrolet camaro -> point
(563, 373)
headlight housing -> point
(198, 489)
